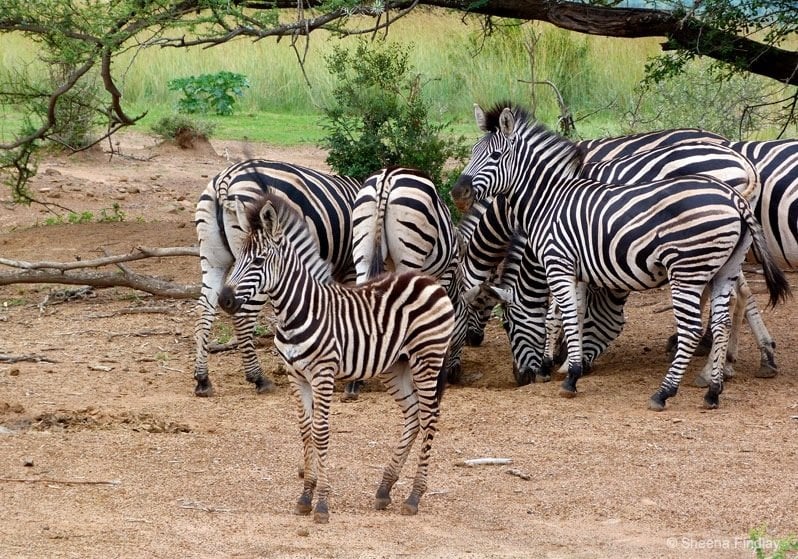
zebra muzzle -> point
(228, 301)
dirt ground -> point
(106, 452)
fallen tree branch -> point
(74, 273)
(62, 481)
(9, 358)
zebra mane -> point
(295, 229)
(540, 131)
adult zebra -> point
(691, 232)
(397, 326)
(324, 200)
(604, 308)
(401, 224)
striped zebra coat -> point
(397, 326)
(401, 224)
(324, 200)
(691, 232)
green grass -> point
(597, 76)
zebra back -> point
(325, 201)
(603, 149)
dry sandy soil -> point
(106, 452)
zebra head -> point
(490, 168)
(515, 153)
(277, 240)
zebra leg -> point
(553, 339)
(352, 391)
(687, 311)
(704, 378)
(722, 298)
(399, 381)
(767, 347)
(428, 413)
(322, 386)
(212, 280)
(244, 322)
(303, 397)
(565, 291)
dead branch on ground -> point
(75, 273)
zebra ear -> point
(479, 115)
(507, 122)
(268, 220)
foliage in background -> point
(696, 97)
(380, 118)
(208, 93)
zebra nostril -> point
(228, 301)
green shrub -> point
(379, 117)
(209, 92)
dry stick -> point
(62, 481)
(9, 358)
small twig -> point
(195, 505)
(485, 462)
(518, 473)
(63, 481)
(141, 333)
(134, 310)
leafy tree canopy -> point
(82, 38)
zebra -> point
(777, 163)
(325, 201)
(605, 322)
(691, 232)
(397, 326)
(400, 223)
(523, 318)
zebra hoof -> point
(264, 385)
(656, 405)
(381, 503)
(303, 507)
(455, 374)
(567, 392)
(542, 378)
(700, 381)
(204, 388)
(349, 396)
(766, 370)
(409, 508)
(521, 378)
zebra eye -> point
(495, 155)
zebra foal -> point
(397, 326)
(326, 203)
(691, 232)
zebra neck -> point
(295, 293)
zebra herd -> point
(558, 232)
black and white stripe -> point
(324, 200)
(397, 326)
(401, 224)
(691, 232)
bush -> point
(379, 117)
(182, 130)
(209, 92)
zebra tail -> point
(381, 191)
(777, 283)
